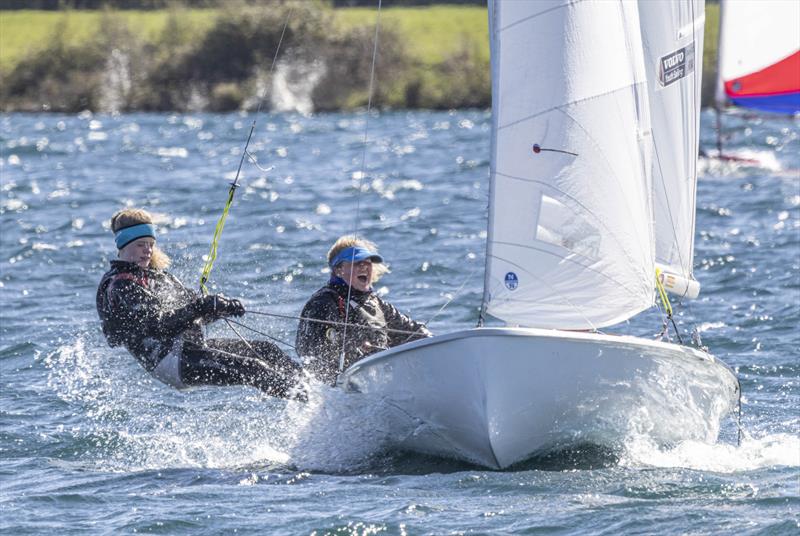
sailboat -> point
(592, 193)
(758, 61)
(759, 55)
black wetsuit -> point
(149, 312)
(320, 344)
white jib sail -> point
(754, 35)
(570, 241)
(672, 36)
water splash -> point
(117, 82)
(771, 450)
(293, 84)
(135, 423)
(336, 432)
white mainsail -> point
(570, 240)
(672, 36)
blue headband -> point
(125, 236)
(355, 254)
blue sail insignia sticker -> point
(512, 282)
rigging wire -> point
(696, 331)
(361, 175)
(453, 297)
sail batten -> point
(564, 106)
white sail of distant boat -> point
(592, 192)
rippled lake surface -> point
(89, 443)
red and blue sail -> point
(773, 89)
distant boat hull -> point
(497, 396)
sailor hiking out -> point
(159, 320)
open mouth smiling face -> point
(358, 275)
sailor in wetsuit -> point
(372, 323)
(151, 313)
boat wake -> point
(738, 162)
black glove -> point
(229, 307)
(218, 306)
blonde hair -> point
(348, 241)
(134, 216)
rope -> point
(284, 375)
(245, 341)
(333, 322)
(257, 332)
(212, 254)
(362, 173)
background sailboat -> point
(578, 177)
(758, 64)
(759, 55)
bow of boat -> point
(496, 396)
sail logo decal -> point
(676, 65)
(512, 281)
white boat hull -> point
(497, 396)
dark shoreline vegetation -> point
(225, 66)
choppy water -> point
(90, 444)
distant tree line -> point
(54, 5)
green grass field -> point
(430, 33)
(26, 32)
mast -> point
(494, 46)
(719, 94)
